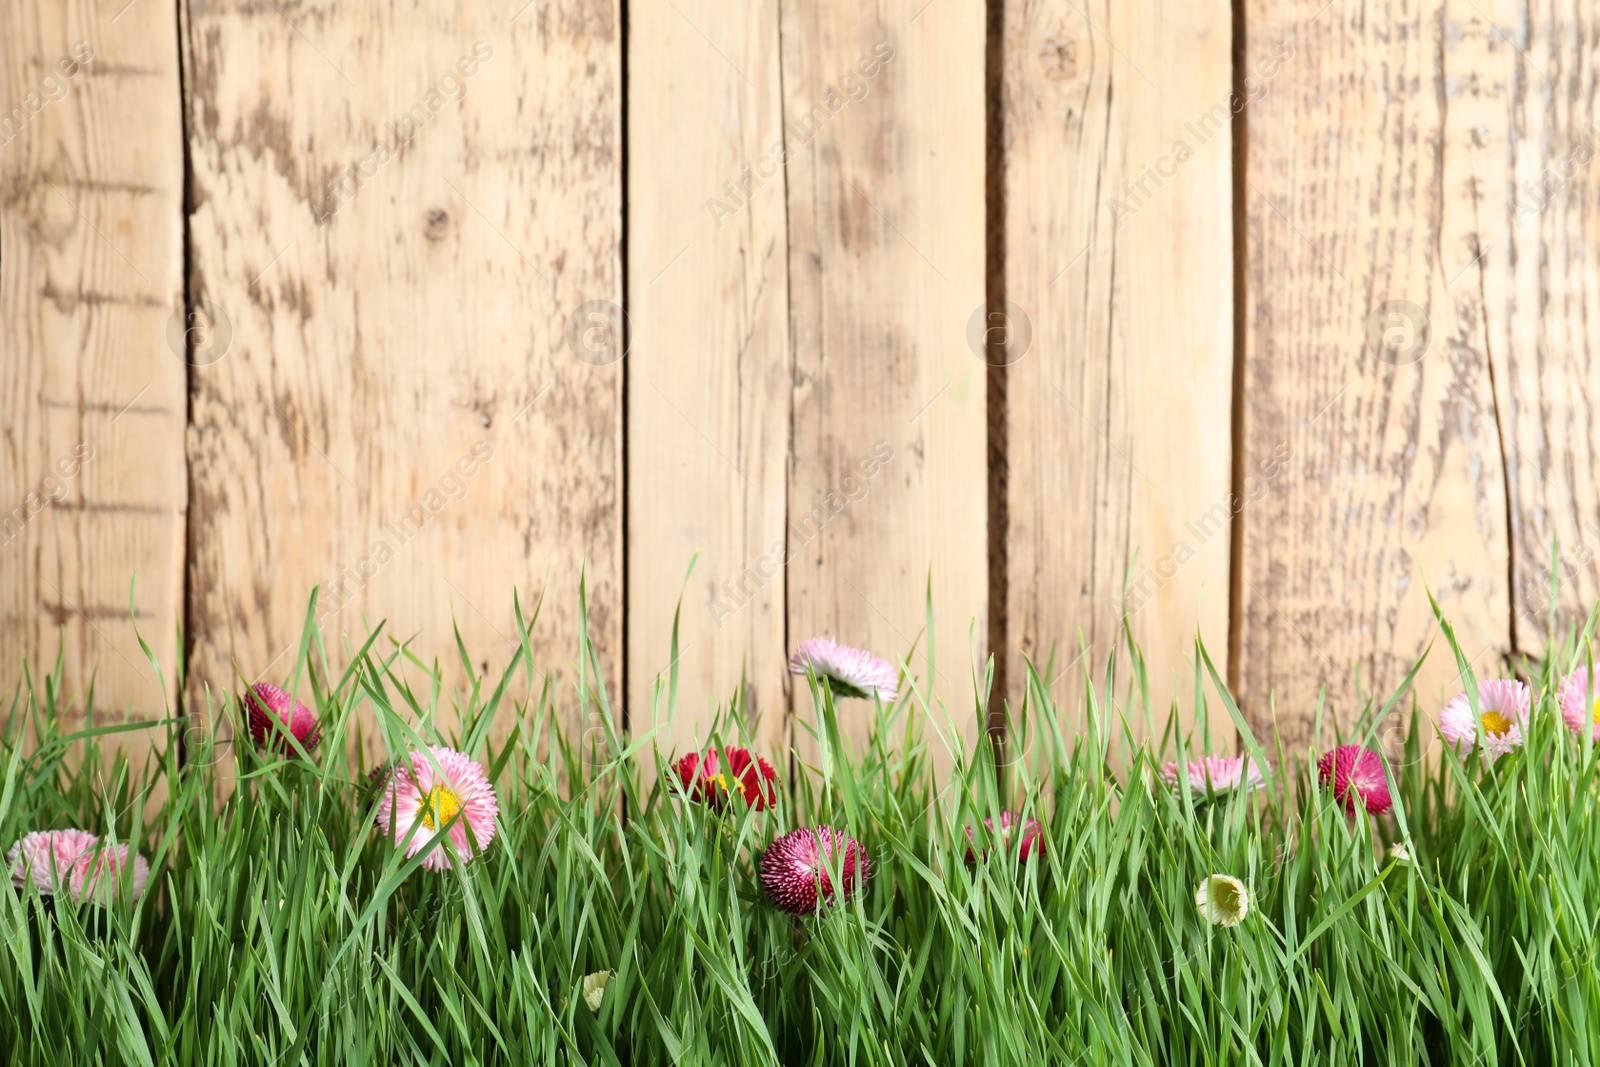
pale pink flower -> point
(1503, 706)
(1214, 775)
(98, 875)
(46, 857)
(417, 794)
(849, 672)
(1580, 702)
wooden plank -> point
(1365, 353)
(402, 212)
(709, 370)
(92, 398)
(886, 231)
(1119, 352)
(1525, 72)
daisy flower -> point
(1398, 853)
(849, 672)
(794, 870)
(1356, 773)
(703, 777)
(594, 988)
(1580, 702)
(1223, 900)
(418, 794)
(99, 874)
(1216, 775)
(1503, 707)
(46, 857)
(267, 702)
(1025, 832)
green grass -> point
(279, 928)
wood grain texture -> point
(709, 368)
(1365, 352)
(400, 208)
(92, 399)
(1523, 77)
(1117, 186)
(886, 230)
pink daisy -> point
(46, 857)
(1503, 706)
(1215, 775)
(418, 795)
(1356, 773)
(266, 702)
(1580, 702)
(849, 672)
(794, 870)
(1026, 840)
(98, 874)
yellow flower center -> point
(1597, 711)
(439, 806)
(1496, 724)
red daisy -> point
(703, 777)
(267, 702)
(1356, 772)
(794, 871)
(1016, 833)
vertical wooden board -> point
(1119, 347)
(886, 231)
(1527, 72)
(1365, 351)
(92, 489)
(708, 406)
(403, 212)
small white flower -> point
(1223, 900)
(594, 988)
(1398, 853)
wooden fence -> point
(1280, 314)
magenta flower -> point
(794, 870)
(849, 672)
(420, 795)
(47, 857)
(266, 702)
(1580, 702)
(1356, 773)
(1024, 843)
(99, 874)
(1214, 775)
(1503, 707)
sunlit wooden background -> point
(1275, 316)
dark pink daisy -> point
(795, 869)
(1015, 834)
(1356, 772)
(266, 702)
(706, 778)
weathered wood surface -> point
(402, 212)
(1118, 341)
(1365, 355)
(886, 251)
(1522, 75)
(92, 396)
(709, 370)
